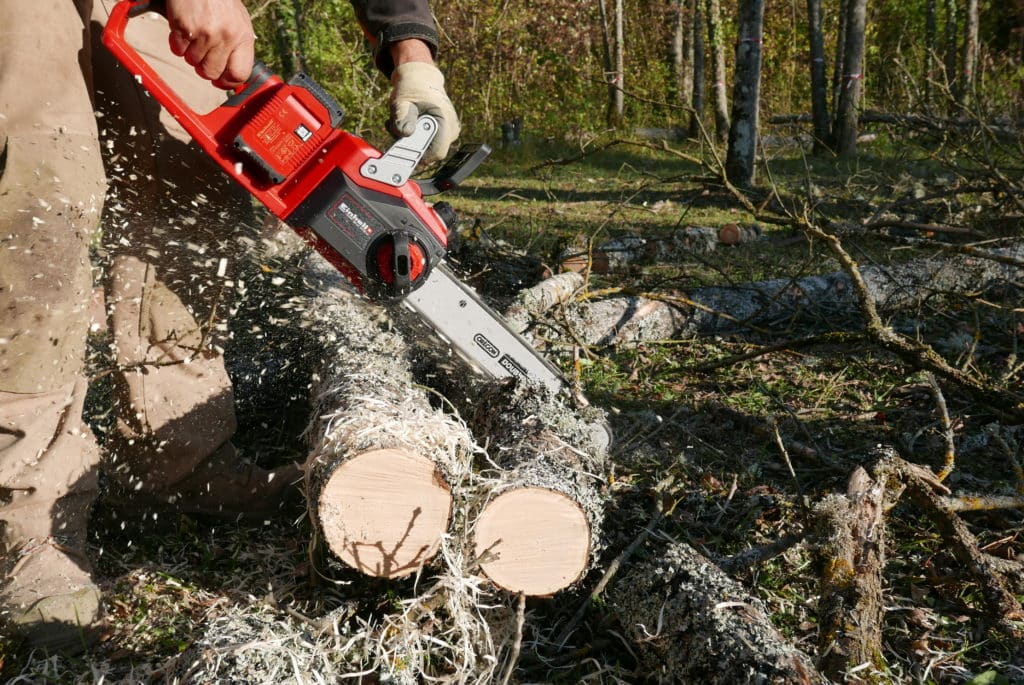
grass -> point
(711, 434)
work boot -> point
(47, 485)
(48, 597)
(225, 485)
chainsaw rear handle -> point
(202, 127)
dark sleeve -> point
(387, 21)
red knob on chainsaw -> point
(398, 264)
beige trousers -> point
(169, 224)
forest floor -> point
(735, 448)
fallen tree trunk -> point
(690, 623)
(722, 310)
(382, 459)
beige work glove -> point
(418, 88)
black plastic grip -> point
(259, 75)
(334, 110)
(158, 6)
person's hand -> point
(215, 37)
(417, 87)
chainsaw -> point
(358, 207)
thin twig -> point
(949, 463)
(517, 645)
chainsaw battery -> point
(289, 128)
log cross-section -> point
(381, 511)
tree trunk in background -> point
(742, 152)
(837, 66)
(951, 40)
(819, 96)
(714, 20)
(609, 61)
(970, 63)
(686, 82)
(680, 56)
(697, 43)
(286, 37)
(931, 31)
(618, 82)
(845, 132)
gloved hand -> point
(418, 88)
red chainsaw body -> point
(281, 142)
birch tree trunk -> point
(719, 310)
(819, 95)
(742, 152)
(845, 132)
(697, 41)
(680, 87)
(838, 66)
(715, 38)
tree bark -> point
(616, 110)
(951, 39)
(819, 95)
(838, 67)
(931, 37)
(965, 91)
(717, 41)
(845, 132)
(690, 623)
(382, 459)
(697, 40)
(742, 152)
(851, 607)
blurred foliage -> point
(543, 60)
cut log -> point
(691, 623)
(383, 511)
(533, 540)
(538, 529)
(536, 503)
(724, 310)
(382, 458)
